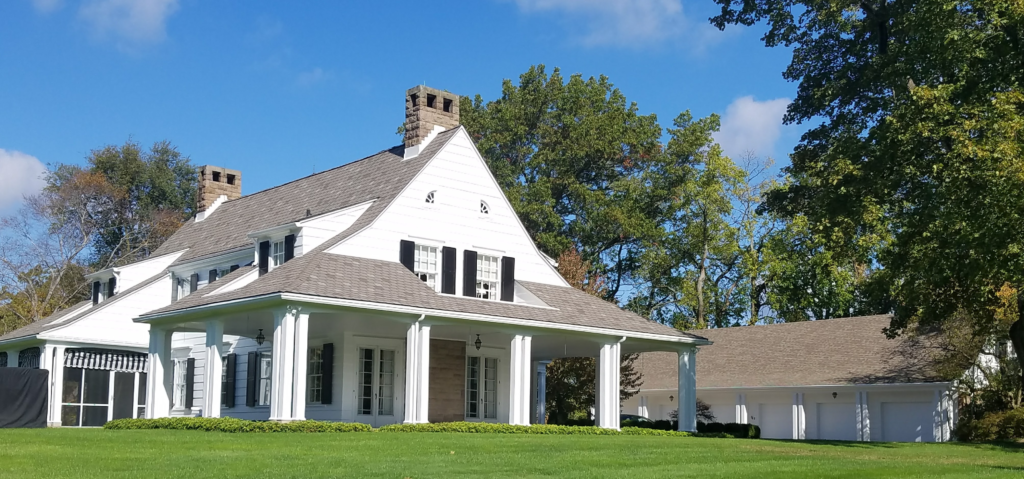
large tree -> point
(921, 141)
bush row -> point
(731, 429)
(228, 424)
(993, 426)
(233, 425)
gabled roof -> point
(841, 351)
(44, 324)
(380, 176)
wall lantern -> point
(671, 398)
(478, 342)
(834, 394)
(260, 338)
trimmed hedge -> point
(994, 426)
(491, 428)
(747, 431)
(228, 424)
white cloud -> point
(619, 22)
(20, 175)
(312, 77)
(132, 22)
(751, 126)
(47, 6)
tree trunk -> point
(701, 313)
(1017, 332)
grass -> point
(80, 454)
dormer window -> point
(484, 209)
(277, 254)
(487, 277)
(430, 197)
(425, 265)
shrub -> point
(229, 424)
(993, 426)
(483, 427)
(749, 431)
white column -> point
(799, 419)
(607, 400)
(542, 392)
(158, 386)
(283, 365)
(56, 366)
(301, 362)
(863, 417)
(520, 369)
(741, 409)
(212, 372)
(688, 390)
(641, 407)
(423, 377)
(411, 373)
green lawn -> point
(160, 453)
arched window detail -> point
(484, 209)
(430, 197)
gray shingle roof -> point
(829, 352)
(380, 176)
(44, 324)
(347, 277)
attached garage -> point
(775, 420)
(836, 422)
(907, 422)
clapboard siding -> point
(135, 273)
(461, 180)
(315, 231)
(113, 324)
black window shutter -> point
(233, 268)
(508, 278)
(227, 392)
(250, 380)
(190, 381)
(289, 247)
(264, 257)
(469, 273)
(95, 292)
(327, 370)
(175, 284)
(407, 253)
(448, 270)
(193, 283)
(213, 275)
(111, 285)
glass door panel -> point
(386, 384)
(490, 398)
(472, 387)
(124, 395)
(365, 400)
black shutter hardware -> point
(264, 257)
(508, 278)
(448, 260)
(250, 380)
(469, 273)
(289, 247)
(327, 373)
(190, 381)
(407, 254)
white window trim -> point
(310, 375)
(435, 275)
(259, 377)
(495, 291)
(275, 253)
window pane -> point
(124, 394)
(94, 416)
(386, 387)
(69, 415)
(142, 389)
(97, 388)
(72, 385)
(366, 380)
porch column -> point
(641, 409)
(214, 364)
(542, 392)
(283, 364)
(606, 411)
(520, 368)
(158, 385)
(688, 390)
(412, 341)
(423, 375)
(301, 362)
(799, 420)
(55, 364)
(741, 409)
(863, 417)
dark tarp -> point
(23, 397)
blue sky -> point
(279, 90)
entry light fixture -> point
(478, 342)
(260, 338)
(834, 394)
(671, 398)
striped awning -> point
(107, 359)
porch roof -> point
(329, 275)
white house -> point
(838, 379)
(400, 287)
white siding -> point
(317, 230)
(114, 325)
(135, 273)
(461, 180)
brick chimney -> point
(426, 108)
(215, 181)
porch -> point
(299, 361)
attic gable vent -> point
(430, 197)
(484, 209)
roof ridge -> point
(794, 323)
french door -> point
(481, 388)
(376, 391)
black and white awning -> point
(107, 359)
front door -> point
(481, 388)
(376, 392)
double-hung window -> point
(266, 367)
(315, 375)
(277, 253)
(224, 380)
(487, 277)
(425, 265)
(180, 373)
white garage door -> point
(776, 421)
(837, 422)
(907, 422)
